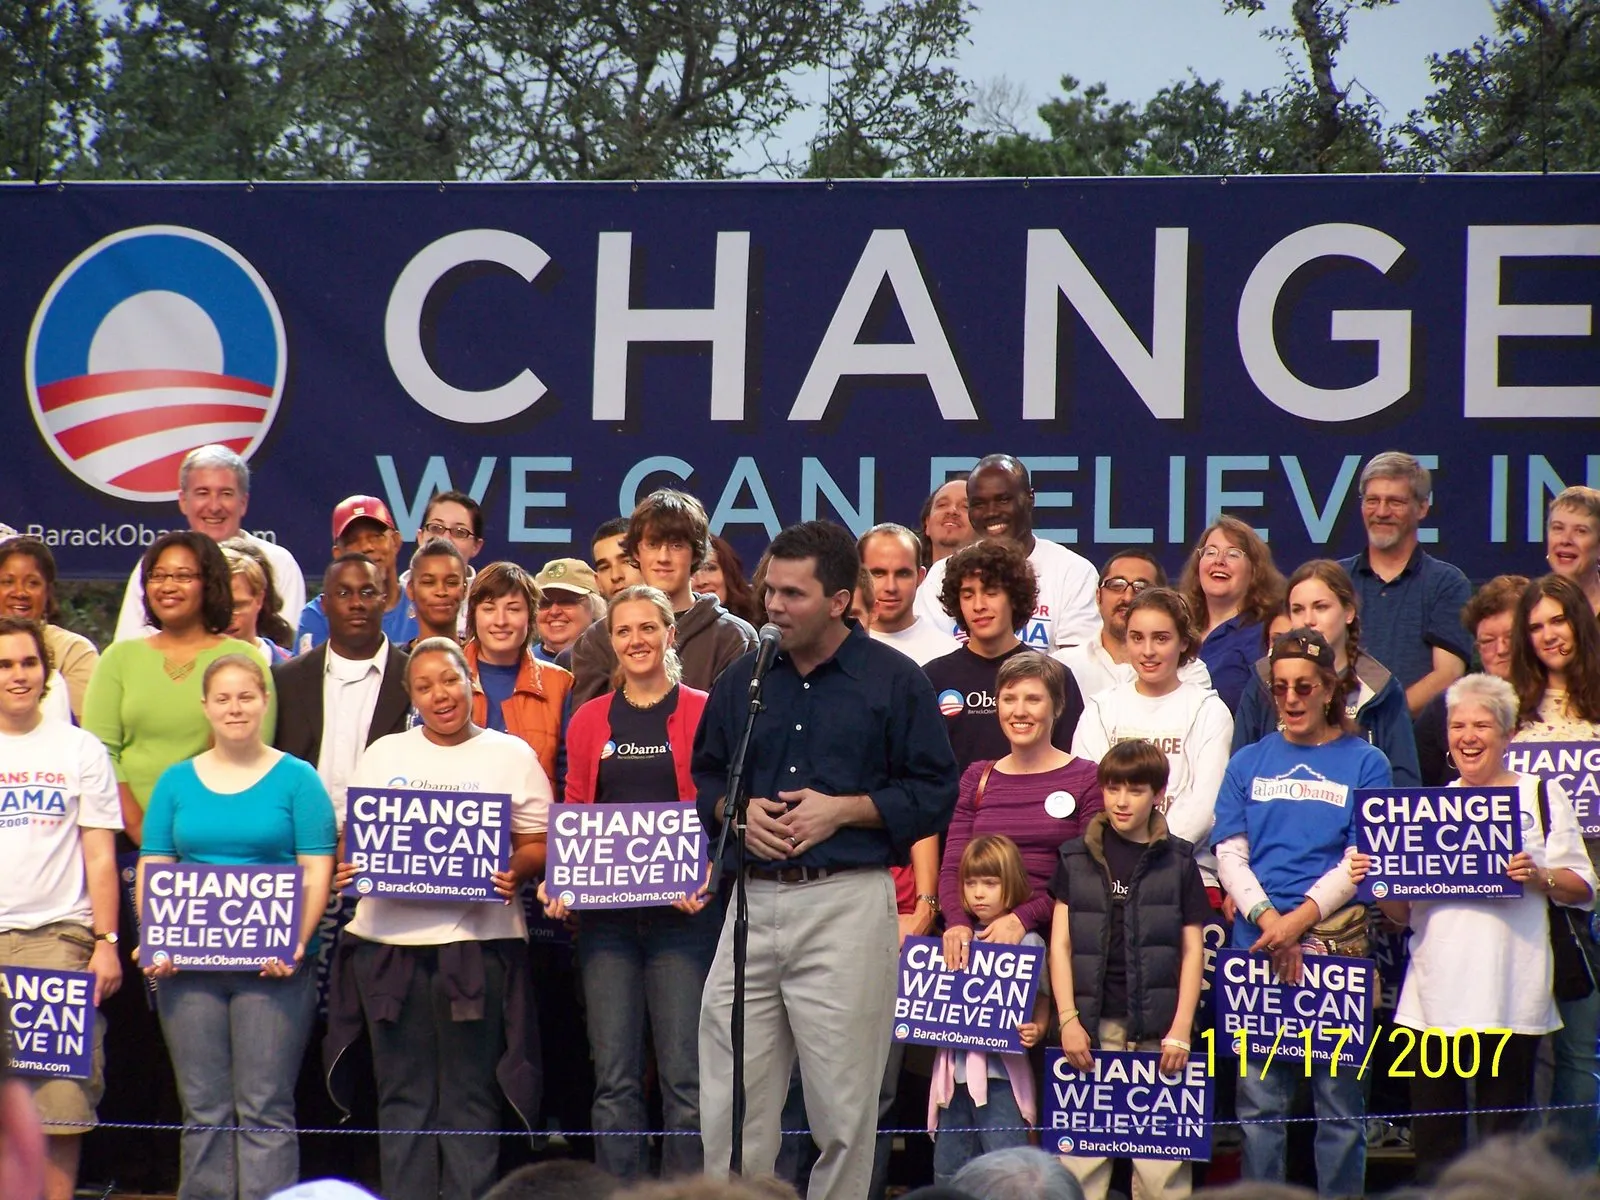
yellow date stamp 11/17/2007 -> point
(1432, 1053)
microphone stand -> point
(735, 809)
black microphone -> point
(766, 651)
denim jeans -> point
(967, 1130)
(236, 1041)
(1575, 1082)
(636, 963)
(1341, 1146)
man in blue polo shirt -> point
(1410, 601)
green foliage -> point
(90, 607)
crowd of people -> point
(968, 731)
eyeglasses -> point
(549, 601)
(1300, 687)
(1387, 503)
(1500, 642)
(1119, 585)
(1232, 554)
(462, 533)
(652, 546)
(183, 577)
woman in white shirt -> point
(1480, 965)
(441, 986)
(1189, 723)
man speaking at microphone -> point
(849, 764)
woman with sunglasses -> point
(1321, 597)
(1232, 589)
(1555, 669)
(1285, 820)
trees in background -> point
(707, 89)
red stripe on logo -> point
(110, 431)
(108, 383)
(161, 476)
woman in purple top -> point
(1233, 590)
(1038, 796)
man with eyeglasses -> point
(1102, 662)
(1410, 602)
(669, 537)
(456, 518)
(363, 525)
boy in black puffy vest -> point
(1125, 948)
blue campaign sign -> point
(1214, 936)
(424, 845)
(1573, 765)
(979, 1008)
(1435, 843)
(1126, 1108)
(624, 855)
(1156, 349)
(204, 917)
(1328, 1013)
(50, 1022)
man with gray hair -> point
(1020, 1173)
(213, 494)
(1410, 602)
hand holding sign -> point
(276, 968)
(1075, 1045)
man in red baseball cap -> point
(363, 525)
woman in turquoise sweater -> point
(144, 698)
(237, 1037)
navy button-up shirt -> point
(862, 722)
(1404, 619)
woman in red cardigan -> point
(633, 747)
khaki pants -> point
(1153, 1178)
(820, 985)
(68, 1105)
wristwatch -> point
(110, 938)
(931, 901)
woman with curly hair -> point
(988, 590)
(1321, 597)
(1232, 589)
(144, 701)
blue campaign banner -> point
(1156, 350)
(50, 1021)
(425, 845)
(976, 1009)
(624, 855)
(1436, 843)
(202, 917)
(1573, 765)
(1327, 1014)
(1126, 1108)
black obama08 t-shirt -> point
(1122, 860)
(636, 764)
(963, 683)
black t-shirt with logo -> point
(964, 685)
(1122, 860)
(636, 765)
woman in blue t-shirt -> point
(236, 1037)
(1285, 823)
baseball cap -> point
(354, 508)
(567, 575)
(1302, 643)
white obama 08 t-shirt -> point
(54, 781)
(1066, 614)
(489, 762)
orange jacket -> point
(535, 709)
